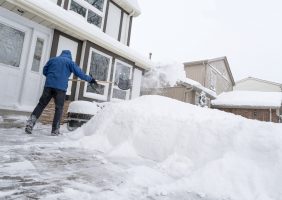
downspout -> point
(186, 92)
(270, 117)
(205, 78)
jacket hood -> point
(66, 54)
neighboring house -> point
(97, 32)
(214, 74)
(255, 84)
(188, 91)
(263, 106)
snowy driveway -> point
(38, 166)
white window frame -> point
(116, 87)
(25, 46)
(88, 6)
(103, 97)
(38, 35)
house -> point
(214, 74)
(205, 79)
(255, 84)
(263, 106)
(187, 91)
(96, 32)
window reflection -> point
(95, 19)
(11, 45)
(97, 4)
(37, 55)
(78, 8)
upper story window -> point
(99, 4)
(117, 23)
(91, 10)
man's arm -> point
(79, 73)
(45, 69)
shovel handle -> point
(78, 80)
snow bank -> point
(206, 151)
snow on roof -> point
(248, 99)
(197, 85)
(71, 22)
(130, 6)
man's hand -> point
(93, 81)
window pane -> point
(125, 27)
(78, 8)
(97, 4)
(37, 55)
(99, 68)
(95, 19)
(113, 21)
(122, 71)
(119, 94)
(11, 45)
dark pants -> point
(59, 98)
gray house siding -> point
(213, 74)
(196, 73)
(179, 93)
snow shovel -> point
(123, 84)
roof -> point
(207, 61)
(131, 6)
(197, 86)
(78, 26)
(248, 99)
(259, 80)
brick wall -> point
(258, 114)
(48, 113)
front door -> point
(24, 49)
(33, 81)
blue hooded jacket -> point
(58, 70)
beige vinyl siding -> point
(196, 73)
(255, 85)
(223, 81)
(179, 93)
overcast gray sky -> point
(248, 32)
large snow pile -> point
(206, 151)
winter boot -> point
(55, 132)
(30, 124)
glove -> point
(93, 81)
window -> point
(113, 21)
(122, 70)
(95, 19)
(11, 45)
(99, 4)
(125, 26)
(91, 10)
(99, 66)
(78, 8)
(37, 55)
